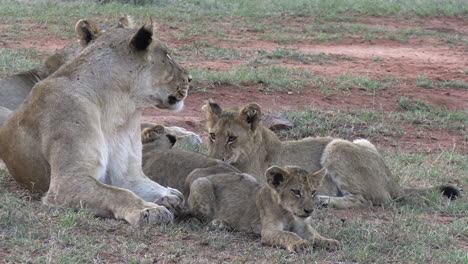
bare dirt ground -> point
(376, 58)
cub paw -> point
(149, 216)
(174, 201)
(329, 244)
(298, 246)
(220, 224)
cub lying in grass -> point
(279, 210)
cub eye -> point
(296, 192)
(212, 136)
(232, 139)
(314, 192)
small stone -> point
(277, 123)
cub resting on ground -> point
(173, 167)
(357, 175)
(77, 135)
(279, 210)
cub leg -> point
(82, 191)
(202, 199)
(285, 239)
(306, 231)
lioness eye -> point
(296, 192)
(232, 139)
(212, 136)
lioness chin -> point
(77, 136)
(279, 210)
(357, 174)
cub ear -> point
(276, 176)
(251, 114)
(316, 178)
(87, 31)
(143, 38)
(150, 134)
(125, 22)
(160, 129)
(212, 110)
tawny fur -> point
(279, 210)
(77, 136)
(357, 174)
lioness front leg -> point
(285, 239)
(81, 191)
(153, 192)
(345, 202)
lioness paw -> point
(148, 216)
(298, 246)
(174, 201)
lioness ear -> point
(317, 177)
(276, 176)
(251, 114)
(125, 22)
(143, 38)
(87, 31)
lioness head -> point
(232, 132)
(157, 135)
(134, 62)
(295, 188)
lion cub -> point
(279, 210)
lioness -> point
(77, 135)
(279, 211)
(357, 174)
(14, 89)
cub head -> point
(133, 61)
(233, 133)
(295, 188)
(157, 137)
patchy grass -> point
(350, 125)
(422, 81)
(346, 82)
(13, 61)
(421, 113)
(415, 231)
(267, 78)
(292, 56)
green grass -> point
(347, 82)
(278, 56)
(424, 114)
(266, 78)
(13, 61)
(355, 124)
(413, 231)
(422, 81)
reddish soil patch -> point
(378, 59)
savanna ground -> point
(392, 71)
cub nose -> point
(189, 78)
(308, 211)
